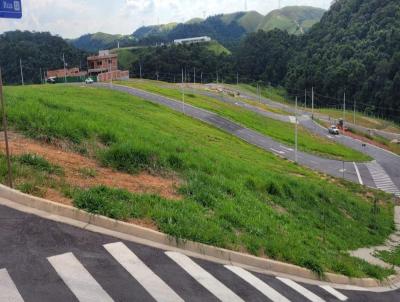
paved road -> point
(383, 174)
(43, 260)
(328, 166)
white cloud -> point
(73, 18)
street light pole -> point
(22, 73)
(3, 107)
(296, 135)
(183, 94)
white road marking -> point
(156, 287)
(292, 119)
(78, 279)
(8, 290)
(301, 290)
(268, 291)
(278, 151)
(288, 149)
(334, 292)
(204, 278)
(358, 174)
(381, 179)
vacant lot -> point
(232, 194)
(281, 131)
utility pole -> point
(41, 78)
(344, 107)
(354, 112)
(140, 69)
(201, 78)
(305, 99)
(65, 71)
(217, 77)
(22, 73)
(296, 136)
(237, 78)
(312, 102)
(3, 107)
(183, 93)
(194, 75)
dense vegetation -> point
(234, 195)
(97, 41)
(38, 51)
(354, 49)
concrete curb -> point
(87, 221)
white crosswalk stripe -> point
(381, 179)
(156, 287)
(78, 279)
(8, 290)
(268, 291)
(301, 290)
(334, 292)
(207, 280)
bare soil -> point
(75, 164)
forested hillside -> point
(38, 51)
(94, 42)
(355, 48)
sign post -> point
(10, 9)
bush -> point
(39, 163)
(129, 159)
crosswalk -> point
(381, 179)
(83, 285)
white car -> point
(89, 81)
(333, 130)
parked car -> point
(333, 130)
(51, 80)
(89, 81)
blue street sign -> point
(10, 9)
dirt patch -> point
(83, 172)
(54, 195)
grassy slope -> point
(235, 195)
(217, 48)
(392, 257)
(278, 130)
(291, 17)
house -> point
(192, 40)
(104, 66)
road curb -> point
(86, 220)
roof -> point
(193, 39)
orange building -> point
(105, 67)
(60, 73)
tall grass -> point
(234, 195)
(281, 131)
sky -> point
(73, 18)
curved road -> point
(358, 173)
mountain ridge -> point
(225, 28)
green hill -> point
(293, 19)
(355, 48)
(94, 42)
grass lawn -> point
(234, 195)
(281, 131)
(392, 257)
(272, 93)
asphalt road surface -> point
(43, 260)
(355, 172)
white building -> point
(192, 40)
